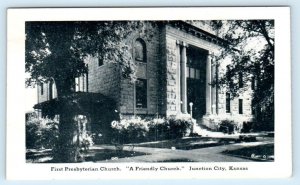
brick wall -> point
(162, 73)
(45, 96)
(104, 79)
(172, 64)
(150, 72)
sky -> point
(31, 98)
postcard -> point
(148, 93)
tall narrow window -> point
(77, 87)
(252, 107)
(42, 88)
(140, 50)
(141, 93)
(240, 106)
(253, 83)
(100, 62)
(229, 76)
(81, 83)
(51, 90)
(241, 83)
(227, 102)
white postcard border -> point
(17, 168)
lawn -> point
(256, 153)
(190, 143)
(95, 155)
(92, 155)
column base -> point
(184, 115)
(211, 121)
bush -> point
(247, 127)
(255, 126)
(33, 134)
(263, 126)
(41, 133)
(227, 126)
(130, 130)
(159, 129)
(138, 130)
(179, 126)
(86, 141)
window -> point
(240, 106)
(253, 83)
(51, 90)
(141, 93)
(241, 83)
(42, 88)
(252, 106)
(81, 83)
(140, 50)
(229, 76)
(100, 62)
(192, 73)
(227, 102)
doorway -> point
(196, 80)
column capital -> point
(181, 43)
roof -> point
(197, 32)
(78, 103)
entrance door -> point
(196, 78)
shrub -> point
(41, 133)
(139, 130)
(130, 130)
(33, 134)
(227, 126)
(85, 142)
(263, 126)
(247, 127)
(159, 129)
(179, 126)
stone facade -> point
(104, 79)
(166, 70)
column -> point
(183, 79)
(213, 90)
(208, 82)
(178, 79)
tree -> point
(57, 51)
(250, 46)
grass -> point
(190, 143)
(93, 155)
(38, 156)
(256, 153)
(176, 160)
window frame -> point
(241, 106)
(144, 94)
(141, 76)
(228, 102)
(42, 88)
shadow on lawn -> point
(95, 155)
(92, 155)
(191, 143)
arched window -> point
(51, 90)
(140, 50)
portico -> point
(196, 73)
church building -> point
(175, 70)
